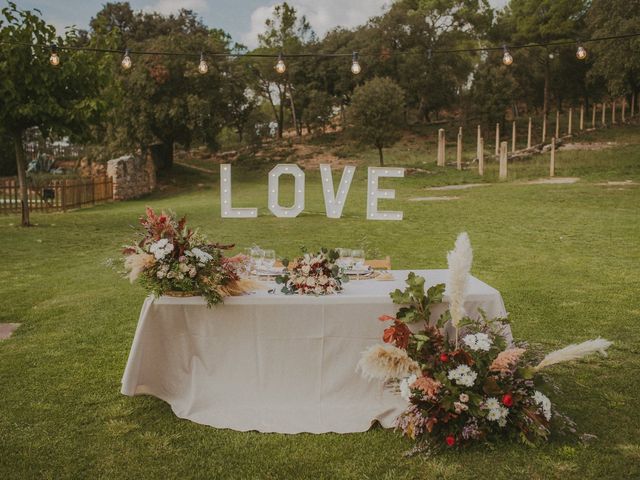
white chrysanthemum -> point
(544, 403)
(502, 422)
(478, 341)
(463, 375)
(405, 386)
(491, 403)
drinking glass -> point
(257, 255)
(269, 259)
(358, 258)
(345, 257)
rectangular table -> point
(274, 362)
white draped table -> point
(274, 362)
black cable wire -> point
(318, 54)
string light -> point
(202, 66)
(581, 53)
(355, 65)
(507, 59)
(54, 59)
(280, 67)
(126, 60)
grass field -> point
(564, 257)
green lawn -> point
(565, 258)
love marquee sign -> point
(333, 201)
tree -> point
(285, 33)
(162, 99)
(541, 21)
(616, 61)
(33, 93)
(377, 113)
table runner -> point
(275, 363)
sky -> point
(242, 19)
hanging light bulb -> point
(202, 66)
(280, 67)
(126, 60)
(507, 59)
(54, 59)
(355, 65)
(581, 53)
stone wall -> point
(132, 176)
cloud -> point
(323, 16)
(174, 6)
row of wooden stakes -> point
(501, 151)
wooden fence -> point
(56, 195)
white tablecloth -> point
(274, 362)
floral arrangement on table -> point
(171, 259)
(313, 274)
(463, 381)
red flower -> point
(444, 357)
(398, 334)
(507, 400)
(162, 218)
(451, 440)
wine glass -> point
(269, 259)
(257, 255)
(358, 258)
(345, 257)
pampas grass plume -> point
(386, 362)
(575, 351)
(459, 260)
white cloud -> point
(173, 6)
(322, 15)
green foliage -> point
(377, 113)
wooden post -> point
(529, 134)
(633, 104)
(613, 112)
(479, 136)
(557, 123)
(481, 157)
(604, 114)
(570, 127)
(503, 160)
(497, 139)
(459, 150)
(440, 161)
(552, 163)
(624, 109)
(513, 136)
(581, 117)
(593, 117)
(544, 128)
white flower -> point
(192, 272)
(183, 267)
(323, 279)
(311, 282)
(502, 421)
(479, 341)
(161, 248)
(463, 375)
(305, 269)
(464, 397)
(160, 274)
(405, 383)
(544, 403)
(491, 403)
(202, 256)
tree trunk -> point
(293, 114)
(547, 75)
(22, 178)
(381, 157)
